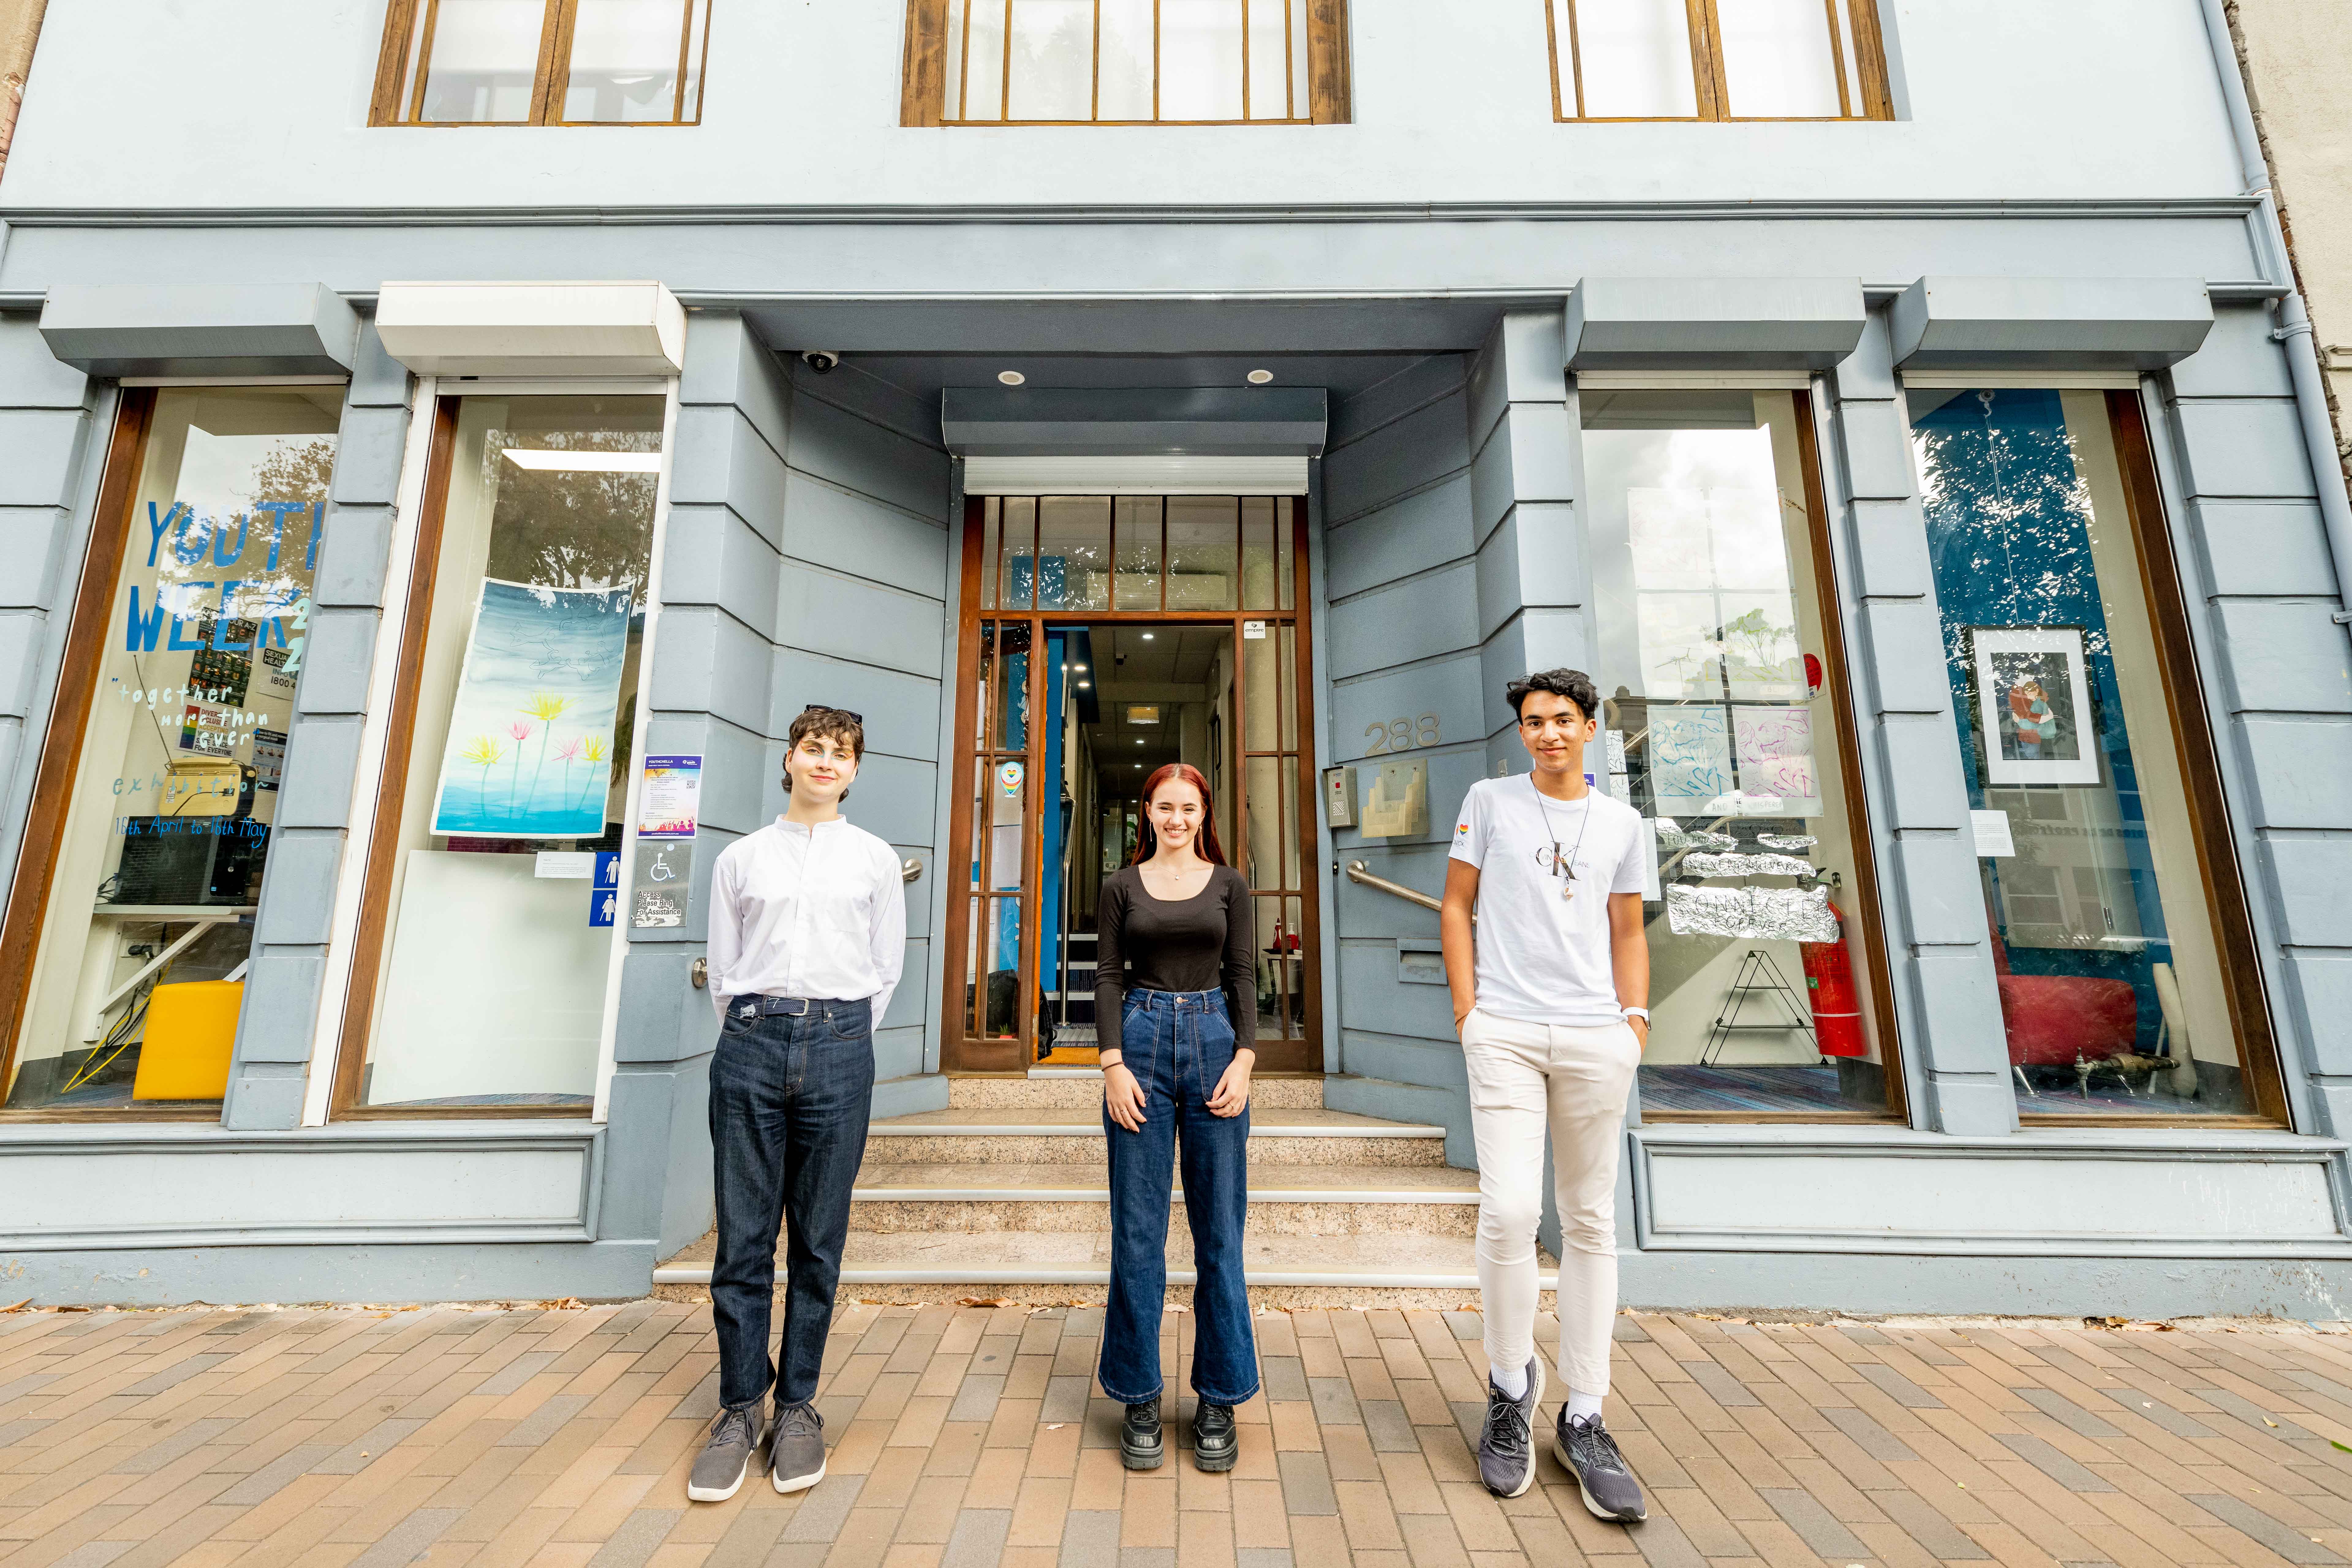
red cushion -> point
(2052, 1019)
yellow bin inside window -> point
(191, 1032)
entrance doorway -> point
(1103, 637)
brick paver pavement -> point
(962, 1437)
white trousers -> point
(1526, 1079)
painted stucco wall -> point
(1451, 103)
(806, 561)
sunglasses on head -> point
(829, 707)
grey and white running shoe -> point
(798, 1461)
(1587, 1451)
(720, 1468)
(1506, 1449)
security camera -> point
(821, 361)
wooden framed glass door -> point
(1101, 638)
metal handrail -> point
(1359, 872)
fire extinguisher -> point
(1829, 986)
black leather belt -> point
(778, 1006)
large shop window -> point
(131, 916)
(2128, 981)
(1725, 723)
(486, 939)
(543, 62)
(1126, 62)
(1717, 59)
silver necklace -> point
(1564, 869)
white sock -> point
(1584, 1406)
(1512, 1381)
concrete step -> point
(1058, 1135)
(1069, 1087)
(1437, 1271)
(1284, 1200)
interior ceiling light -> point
(1085, 686)
(1077, 666)
(559, 461)
(1260, 377)
(1146, 636)
(1011, 377)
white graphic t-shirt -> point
(1543, 958)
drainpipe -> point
(2294, 319)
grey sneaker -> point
(1506, 1449)
(797, 1461)
(720, 1468)
(1587, 1451)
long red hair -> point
(1146, 842)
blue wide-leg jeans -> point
(790, 1100)
(1177, 1044)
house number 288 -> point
(1400, 734)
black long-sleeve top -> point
(1205, 942)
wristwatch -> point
(1640, 1013)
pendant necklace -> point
(1564, 869)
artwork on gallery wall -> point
(530, 733)
(2033, 716)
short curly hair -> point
(1573, 684)
(831, 723)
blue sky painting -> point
(530, 752)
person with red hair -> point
(1176, 1012)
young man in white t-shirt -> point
(1550, 1003)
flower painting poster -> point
(529, 754)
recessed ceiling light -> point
(1085, 686)
(558, 461)
(1146, 636)
(1260, 377)
(1077, 666)
(1011, 377)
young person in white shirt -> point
(1549, 998)
(808, 933)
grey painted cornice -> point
(2226, 206)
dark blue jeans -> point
(789, 1098)
(1177, 1044)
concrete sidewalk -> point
(964, 1436)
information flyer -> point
(669, 802)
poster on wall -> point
(1775, 748)
(531, 734)
(669, 801)
(2033, 714)
(1690, 757)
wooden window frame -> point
(923, 79)
(1870, 98)
(550, 81)
(61, 746)
(962, 1053)
(1866, 922)
(2226, 901)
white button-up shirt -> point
(817, 912)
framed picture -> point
(2034, 716)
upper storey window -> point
(543, 62)
(1125, 62)
(1717, 59)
